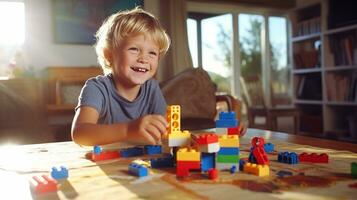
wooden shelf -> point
(312, 102)
(306, 37)
(339, 103)
(340, 30)
(341, 68)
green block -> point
(228, 158)
(354, 169)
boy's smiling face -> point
(135, 61)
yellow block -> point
(179, 135)
(187, 154)
(228, 141)
(173, 115)
(259, 170)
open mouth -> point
(139, 69)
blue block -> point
(152, 149)
(289, 158)
(59, 174)
(131, 152)
(228, 151)
(97, 149)
(251, 158)
(162, 162)
(269, 147)
(207, 161)
(233, 169)
(241, 164)
(226, 123)
(138, 170)
(227, 115)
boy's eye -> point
(153, 53)
(133, 49)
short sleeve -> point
(91, 95)
(158, 103)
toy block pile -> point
(46, 184)
(258, 160)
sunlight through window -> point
(12, 23)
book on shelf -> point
(309, 87)
(341, 88)
(344, 48)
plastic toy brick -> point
(152, 149)
(313, 157)
(207, 161)
(233, 169)
(212, 174)
(138, 170)
(286, 157)
(269, 147)
(61, 173)
(228, 151)
(226, 166)
(354, 169)
(105, 155)
(241, 164)
(173, 118)
(260, 156)
(207, 138)
(234, 130)
(179, 139)
(187, 154)
(227, 115)
(162, 162)
(228, 141)
(43, 184)
(209, 148)
(97, 149)
(257, 142)
(259, 170)
(179, 135)
(227, 158)
(183, 167)
(226, 123)
(251, 158)
(141, 162)
(132, 152)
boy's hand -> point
(149, 127)
(243, 129)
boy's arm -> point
(86, 131)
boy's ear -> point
(108, 56)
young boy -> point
(125, 103)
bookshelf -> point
(324, 59)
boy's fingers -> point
(148, 137)
(162, 120)
(154, 132)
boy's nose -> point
(142, 58)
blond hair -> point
(127, 23)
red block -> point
(212, 173)
(313, 157)
(43, 185)
(258, 142)
(183, 167)
(260, 156)
(105, 155)
(234, 131)
(207, 138)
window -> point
(12, 32)
(261, 46)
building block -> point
(251, 158)
(269, 147)
(228, 141)
(152, 149)
(226, 166)
(258, 150)
(313, 157)
(227, 115)
(259, 170)
(234, 130)
(173, 115)
(233, 169)
(132, 152)
(138, 170)
(179, 139)
(228, 151)
(209, 148)
(105, 155)
(141, 162)
(162, 162)
(289, 158)
(207, 138)
(97, 149)
(43, 184)
(188, 154)
(241, 164)
(354, 169)
(227, 158)
(61, 173)
(183, 167)
(207, 161)
(227, 120)
(212, 173)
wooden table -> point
(110, 180)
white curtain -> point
(173, 16)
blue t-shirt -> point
(100, 93)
